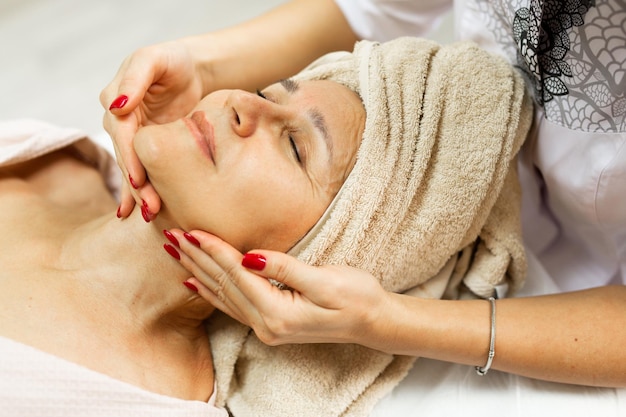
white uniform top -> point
(574, 165)
(572, 169)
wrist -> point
(448, 330)
(386, 324)
(204, 55)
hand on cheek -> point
(148, 202)
(135, 190)
(321, 304)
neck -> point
(123, 263)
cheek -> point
(250, 202)
(160, 148)
(174, 166)
(269, 211)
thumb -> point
(133, 81)
(129, 95)
(282, 268)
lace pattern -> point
(573, 52)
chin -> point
(145, 148)
(155, 152)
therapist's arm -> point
(272, 46)
(576, 337)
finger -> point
(132, 81)
(210, 296)
(244, 291)
(128, 198)
(276, 316)
(206, 288)
(198, 247)
(122, 131)
(202, 268)
(282, 268)
(110, 92)
(127, 202)
(148, 197)
(219, 277)
(123, 136)
(122, 99)
(230, 260)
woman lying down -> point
(362, 158)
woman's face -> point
(257, 170)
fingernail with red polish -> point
(172, 251)
(171, 238)
(132, 182)
(254, 261)
(119, 102)
(190, 286)
(119, 215)
(145, 212)
(191, 239)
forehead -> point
(332, 107)
(325, 91)
(344, 119)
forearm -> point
(574, 337)
(272, 46)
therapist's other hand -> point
(325, 304)
(154, 85)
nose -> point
(252, 112)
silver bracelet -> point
(492, 341)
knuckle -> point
(103, 98)
(221, 278)
(220, 295)
(232, 273)
(284, 270)
(275, 326)
(276, 330)
(267, 336)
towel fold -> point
(431, 208)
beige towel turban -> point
(431, 208)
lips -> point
(202, 132)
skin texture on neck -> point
(132, 269)
(86, 286)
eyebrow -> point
(316, 117)
(290, 85)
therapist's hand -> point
(326, 304)
(154, 85)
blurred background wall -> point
(57, 55)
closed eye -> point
(295, 149)
(291, 139)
